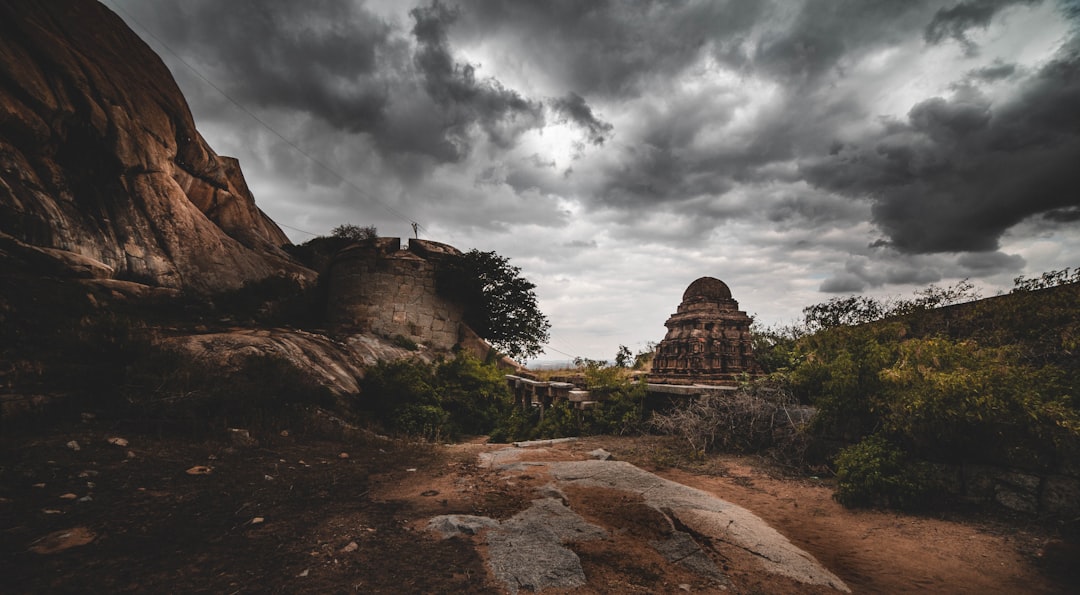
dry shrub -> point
(762, 418)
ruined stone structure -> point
(377, 287)
(708, 339)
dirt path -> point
(296, 515)
(874, 551)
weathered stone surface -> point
(337, 365)
(452, 525)
(100, 159)
(376, 287)
(1060, 496)
(1018, 491)
(600, 454)
(683, 550)
(703, 514)
(527, 552)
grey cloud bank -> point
(617, 151)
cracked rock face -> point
(687, 527)
(100, 158)
(702, 514)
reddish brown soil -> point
(331, 524)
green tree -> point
(842, 311)
(1048, 279)
(355, 233)
(500, 304)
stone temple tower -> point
(708, 339)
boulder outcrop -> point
(100, 158)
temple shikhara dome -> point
(708, 339)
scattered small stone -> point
(91, 485)
(68, 496)
(411, 470)
(59, 541)
(242, 438)
(39, 485)
(88, 473)
(450, 525)
(684, 587)
(284, 433)
(258, 520)
(86, 498)
(130, 454)
(51, 511)
(304, 573)
(200, 470)
(74, 445)
(429, 493)
(343, 455)
(352, 547)
(600, 455)
(117, 441)
(268, 477)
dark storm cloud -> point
(326, 58)
(991, 262)
(342, 64)
(502, 113)
(887, 268)
(826, 32)
(613, 48)
(960, 171)
(954, 22)
(573, 108)
(1067, 215)
(996, 71)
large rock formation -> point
(100, 159)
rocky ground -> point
(91, 509)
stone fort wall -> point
(377, 287)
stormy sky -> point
(618, 150)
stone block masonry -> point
(378, 287)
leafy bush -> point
(355, 233)
(956, 400)
(838, 372)
(620, 411)
(461, 396)
(875, 472)
(404, 342)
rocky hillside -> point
(101, 166)
(135, 267)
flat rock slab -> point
(534, 549)
(703, 514)
(527, 550)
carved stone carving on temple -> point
(708, 339)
